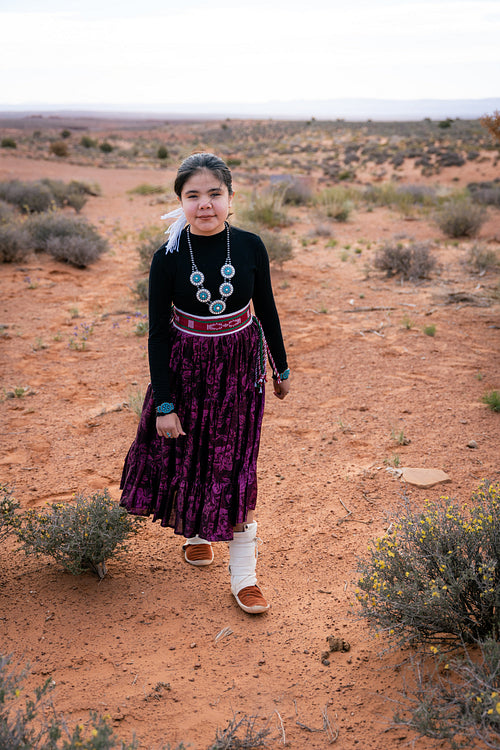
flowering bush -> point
(457, 699)
(436, 575)
(80, 536)
(8, 507)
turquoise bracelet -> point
(283, 375)
(164, 408)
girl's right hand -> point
(169, 426)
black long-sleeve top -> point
(169, 283)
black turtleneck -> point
(169, 283)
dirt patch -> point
(145, 644)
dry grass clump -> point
(403, 197)
(411, 262)
(336, 202)
(459, 216)
(59, 148)
(265, 208)
(279, 247)
(481, 259)
(241, 734)
(146, 188)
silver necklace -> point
(217, 306)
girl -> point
(193, 461)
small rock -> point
(324, 655)
(472, 444)
(424, 477)
(325, 662)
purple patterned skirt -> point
(204, 482)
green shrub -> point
(106, 147)
(8, 507)
(80, 536)
(460, 217)
(412, 262)
(15, 243)
(33, 724)
(492, 398)
(162, 153)
(59, 148)
(66, 238)
(87, 142)
(65, 134)
(8, 143)
(435, 576)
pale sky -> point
(154, 54)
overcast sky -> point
(147, 52)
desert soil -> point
(141, 644)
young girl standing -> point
(193, 461)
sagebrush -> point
(460, 217)
(81, 535)
(66, 238)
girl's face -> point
(206, 202)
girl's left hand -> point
(281, 389)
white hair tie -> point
(175, 229)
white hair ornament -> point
(175, 229)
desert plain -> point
(373, 357)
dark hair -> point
(195, 163)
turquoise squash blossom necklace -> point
(217, 306)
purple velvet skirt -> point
(206, 482)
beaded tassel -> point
(264, 354)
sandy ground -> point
(140, 645)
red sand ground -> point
(358, 375)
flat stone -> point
(425, 477)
